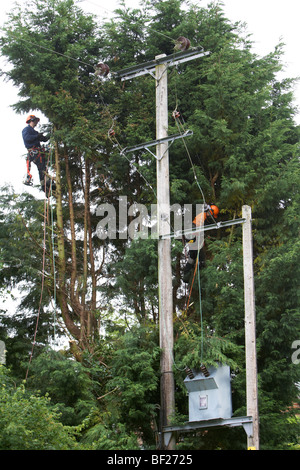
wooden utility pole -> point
(164, 250)
(250, 327)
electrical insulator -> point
(189, 372)
(176, 114)
(102, 69)
(111, 132)
(182, 44)
(204, 371)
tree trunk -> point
(61, 265)
(73, 235)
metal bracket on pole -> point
(167, 436)
(149, 67)
(248, 428)
(145, 145)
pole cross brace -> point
(145, 145)
(245, 421)
(149, 67)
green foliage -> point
(136, 276)
(29, 423)
(104, 433)
(21, 241)
(134, 369)
(195, 348)
(67, 383)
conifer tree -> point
(53, 48)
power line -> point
(178, 123)
(96, 5)
(55, 52)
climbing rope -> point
(181, 129)
(42, 287)
(200, 308)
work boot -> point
(28, 180)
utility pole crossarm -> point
(203, 228)
(145, 145)
(149, 67)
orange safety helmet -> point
(32, 117)
(200, 218)
(214, 210)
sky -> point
(268, 21)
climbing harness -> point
(211, 211)
(36, 155)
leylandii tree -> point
(53, 49)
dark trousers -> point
(191, 260)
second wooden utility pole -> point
(164, 250)
(250, 333)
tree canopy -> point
(102, 293)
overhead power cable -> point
(180, 127)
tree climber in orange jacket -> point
(195, 245)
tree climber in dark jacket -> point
(195, 245)
(36, 154)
